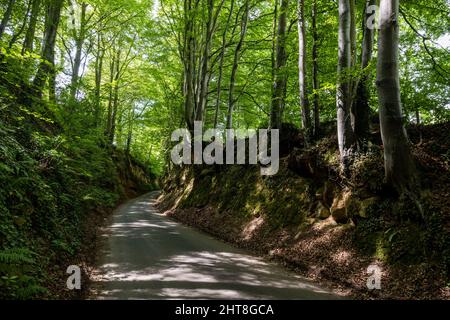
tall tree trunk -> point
(99, 57)
(53, 16)
(237, 56)
(353, 31)
(274, 45)
(222, 59)
(22, 27)
(304, 101)
(79, 42)
(6, 17)
(399, 164)
(29, 37)
(189, 63)
(115, 104)
(129, 140)
(361, 107)
(280, 84)
(112, 68)
(52, 86)
(205, 72)
(315, 72)
(344, 89)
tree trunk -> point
(399, 164)
(115, 105)
(112, 68)
(344, 90)
(98, 79)
(280, 84)
(222, 58)
(361, 107)
(315, 72)
(6, 17)
(304, 101)
(205, 64)
(53, 16)
(274, 44)
(29, 37)
(79, 41)
(189, 64)
(22, 27)
(353, 31)
(52, 86)
(237, 56)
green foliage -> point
(16, 265)
(52, 178)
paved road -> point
(148, 256)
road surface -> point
(148, 256)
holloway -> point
(185, 310)
(214, 152)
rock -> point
(339, 208)
(322, 212)
(364, 205)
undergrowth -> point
(51, 179)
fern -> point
(30, 292)
(17, 256)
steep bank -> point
(56, 189)
(328, 227)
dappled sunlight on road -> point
(147, 256)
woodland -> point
(92, 90)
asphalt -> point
(146, 255)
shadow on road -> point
(148, 256)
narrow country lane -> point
(148, 256)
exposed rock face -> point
(341, 204)
(322, 212)
(364, 205)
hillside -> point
(328, 226)
(56, 190)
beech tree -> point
(28, 43)
(304, 100)
(361, 108)
(344, 88)
(237, 56)
(6, 17)
(279, 92)
(46, 67)
(399, 164)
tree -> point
(344, 88)
(361, 108)
(315, 70)
(47, 64)
(399, 164)
(6, 17)
(188, 57)
(79, 37)
(237, 55)
(280, 83)
(304, 101)
(29, 36)
(221, 63)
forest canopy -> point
(132, 70)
